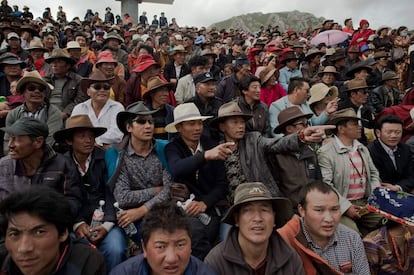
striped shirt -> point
(357, 177)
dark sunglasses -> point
(142, 121)
(304, 123)
(99, 86)
(32, 88)
(364, 91)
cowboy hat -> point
(153, 84)
(132, 111)
(266, 73)
(257, 191)
(229, 109)
(319, 91)
(36, 45)
(290, 55)
(356, 84)
(60, 54)
(32, 77)
(113, 35)
(178, 49)
(77, 122)
(313, 53)
(288, 116)
(11, 59)
(95, 77)
(389, 75)
(185, 112)
(358, 67)
(329, 69)
(344, 114)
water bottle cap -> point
(116, 204)
(101, 202)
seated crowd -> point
(155, 149)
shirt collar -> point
(388, 149)
(130, 151)
(198, 149)
(355, 145)
(333, 240)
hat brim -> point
(282, 207)
(320, 74)
(320, 96)
(64, 134)
(143, 67)
(175, 52)
(28, 79)
(67, 59)
(122, 117)
(351, 72)
(170, 128)
(148, 94)
(280, 128)
(216, 121)
(86, 82)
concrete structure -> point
(131, 7)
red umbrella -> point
(332, 37)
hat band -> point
(251, 197)
(187, 117)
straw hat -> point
(77, 122)
(36, 45)
(185, 112)
(178, 49)
(319, 91)
(329, 69)
(154, 83)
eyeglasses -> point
(99, 86)
(32, 88)
(364, 91)
(302, 122)
(143, 121)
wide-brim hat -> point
(257, 191)
(356, 84)
(59, 53)
(95, 77)
(185, 112)
(288, 57)
(113, 35)
(357, 67)
(155, 83)
(312, 53)
(208, 52)
(289, 115)
(266, 73)
(393, 205)
(30, 29)
(77, 122)
(329, 69)
(106, 57)
(382, 27)
(344, 114)
(145, 61)
(337, 55)
(380, 54)
(319, 92)
(389, 75)
(178, 49)
(132, 111)
(36, 45)
(229, 109)
(73, 45)
(32, 77)
(11, 59)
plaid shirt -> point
(345, 251)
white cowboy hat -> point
(185, 112)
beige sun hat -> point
(32, 77)
(319, 91)
(185, 112)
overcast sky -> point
(205, 12)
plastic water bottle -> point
(203, 217)
(130, 229)
(97, 218)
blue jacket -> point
(138, 265)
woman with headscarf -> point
(361, 35)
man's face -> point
(292, 64)
(12, 70)
(75, 53)
(359, 97)
(81, 40)
(14, 43)
(390, 134)
(351, 130)
(99, 92)
(83, 141)
(328, 78)
(168, 253)
(198, 70)
(22, 147)
(49, 41)
(34, 93)
(190, 130)
(187, 42)
(321, 216)
(59, 66)
(142, 128)
(256, 222)
(160, 96)
(179, 58)
(392, 83)
(107, 68)
(233, 128)
(383, 61)
(303, 92)
(33, 243)
(112, 43)
(244, 70)
(36, 53)
(236, 48)
(206, 89)
(296, 126)
(253, 92)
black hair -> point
(197, 61)
(165, 216)
(246, 80)
(315, 185)
(346, 20)
(295, 82)
(387, 119)
(149, 49)
(164, 39)
(40, 201)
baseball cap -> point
(27, 126)
(204, 77)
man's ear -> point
(64, 236)
(38, 142)
(144, 250)
(301, 210)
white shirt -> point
(106, 118)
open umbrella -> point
(330, 38)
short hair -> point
(295, 82)
(197, 61)
(245, 81)
(149, 49)
(347, 20)
(165, 216)
(387, 119)
(317, 185)
(164, 39)
(40, 201)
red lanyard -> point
(361, 180)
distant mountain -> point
(296, 20)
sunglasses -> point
(32, 88)
(99, 86)
(364, 91)
(143, 121)
(304, 123)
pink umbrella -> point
(332, 37)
